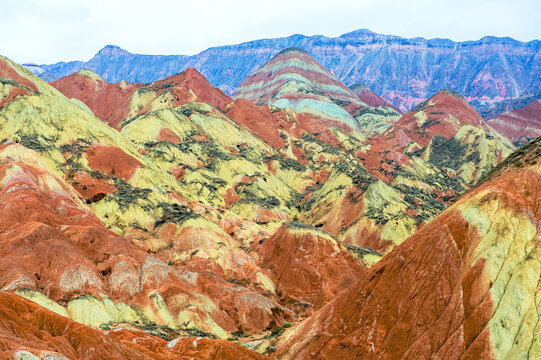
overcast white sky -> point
(46, 31)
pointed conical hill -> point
(465, 286)
(176, 90)
(444, 131)
(443, 114)
(294, 79)
(370, 98)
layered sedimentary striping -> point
(519, 125)
(294, 79)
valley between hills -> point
(292, 218)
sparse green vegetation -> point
(126, 194)
(174, 213)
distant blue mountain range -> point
(403, 71)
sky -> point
(48, 31)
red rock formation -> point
(104, 99)
(190, 85)
(111, 102)
(9, 72)
(26, 327)
(15, 83)
(263, 122)
(450, 290)
(111, 160)
(308, 264)
(269, 124)
(168, 135)
(443, 114)
(90, 188)
(370, 98)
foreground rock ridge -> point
(300, 219)
(403, 71)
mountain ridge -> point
(470, 67)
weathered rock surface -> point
(308, 265)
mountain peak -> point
(113, 50)
(294, 79)
(370, 98)
(359, 33)
(442, 114)
(440, 97)
(449, 92)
